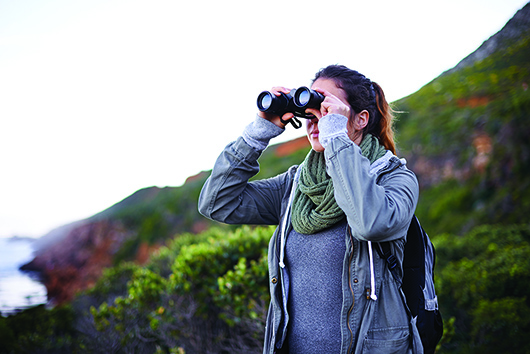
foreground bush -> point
(484, 284)
(39, 330)
(214, 300)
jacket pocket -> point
(389, 341)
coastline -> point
(19, 289)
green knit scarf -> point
(314, 205)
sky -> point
(99, 99)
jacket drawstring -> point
(285, 217)
(282, 236)
(373, 296)
(376, 166)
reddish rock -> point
(289, 147)
(473, 102)
(75, 263)
(144, 252)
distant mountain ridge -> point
(465, 134)
(450, 131)
(518, 26)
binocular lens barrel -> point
(307, 98)
(264, 101)
(269, 102)
(302, 98)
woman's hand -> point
(331, 104)
(277, 90)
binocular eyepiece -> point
(296, 102)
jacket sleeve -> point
(228, 196)
(376, 210)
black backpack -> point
(418, 283)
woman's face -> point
(329, 86)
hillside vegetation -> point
(466, 133)
(204, 289)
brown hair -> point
(364, 94)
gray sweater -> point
(315, 300)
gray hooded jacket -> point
(378, 200)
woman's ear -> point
(360, 121)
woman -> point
(330, 290)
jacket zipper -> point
(351, 290)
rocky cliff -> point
(77, 261)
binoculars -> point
(296, 102)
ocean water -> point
(18, 290)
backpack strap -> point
(413, 264)
(384, 252)
(413, 281)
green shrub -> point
(39, 330)
(215, 298)
(198, 267)
(483, 281)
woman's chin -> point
(315, 144)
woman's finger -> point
(280, 89)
